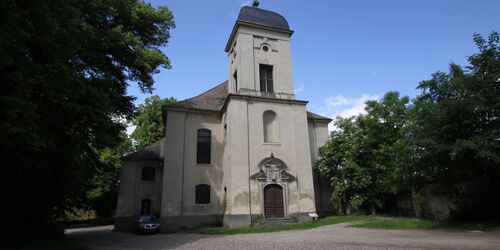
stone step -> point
(278, 221)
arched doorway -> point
(273, 201)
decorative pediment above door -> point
(272, 169)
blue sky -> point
(343, 52)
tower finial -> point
(255, 3)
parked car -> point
(147, 224)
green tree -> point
(149, 121)
(388, 136)
(339, 162)
(103, 192)
(362, 157)
(457, 135)
(64, 67)
(448, 138)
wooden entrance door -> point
(273, 201)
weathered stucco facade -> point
(239, 153)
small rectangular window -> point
(235, 77)
(148, 174)
(202, 195)
(266, 78)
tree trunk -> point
(416, 206)
(343, 204)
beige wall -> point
(183, 174)
(237, 161)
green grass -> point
(361, 221)
(261, 229)
(413, 223)
(53, 244)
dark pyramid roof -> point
(214, 98)
(263, 17)
(153, 151)
(211, 100)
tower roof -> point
(263, 17)
(259, 17)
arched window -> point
(203, 147)
(271, 132)
(202, 194)
(148, 174)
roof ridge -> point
(312, 115)
(224, 82)
(151, 151)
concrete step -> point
(278, 221)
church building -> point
(238, 154)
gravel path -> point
(328, 237)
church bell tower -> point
(258, 49)
(267, 160)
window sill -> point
(272, 143)
(146, 182)
(202, 165)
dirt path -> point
(327, 237)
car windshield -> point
(146, 218)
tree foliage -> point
(64, 67)
(448, 136)
(149, 121)
(457, 130)
(359, 158)
(103, 186)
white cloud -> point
(130, 129)
(300, 89)
(345, 106)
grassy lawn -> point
(54, 244)
(260, 229)
(360, 221)
(413, 223)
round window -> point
(265, 48)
